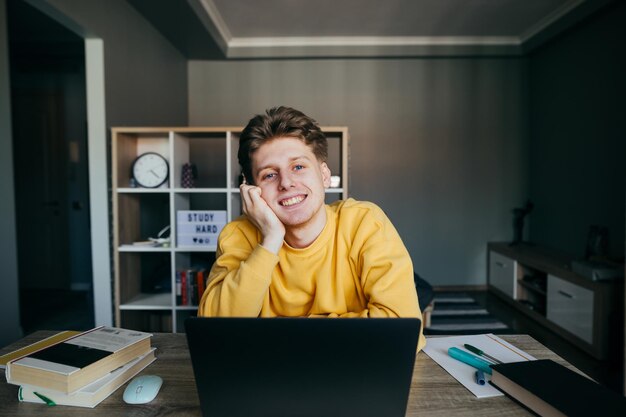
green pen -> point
(45, 399)
(479, 352)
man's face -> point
(292, 180)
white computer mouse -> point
(142, 389)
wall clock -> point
(150, 170)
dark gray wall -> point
(578, 135)
(439, 144)
(10, 328)
(146, 77)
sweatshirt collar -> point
(320, 241)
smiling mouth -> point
(292, 201)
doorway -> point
(49, 116)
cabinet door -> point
(502, 273)
(571, 307)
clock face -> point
(150, 170)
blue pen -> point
(480, 377)
(470, 359)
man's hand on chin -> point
(262, 216)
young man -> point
(290, 254)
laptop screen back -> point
(302, 366)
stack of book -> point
(80, 369)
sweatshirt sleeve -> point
(386, 271)
(240, 277)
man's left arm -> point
(386, 273)
(386, 270)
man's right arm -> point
(240, 277)
(262, 217)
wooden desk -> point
(433, 391)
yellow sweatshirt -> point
(357, 267)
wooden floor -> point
(607, 372)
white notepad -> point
(437, 349)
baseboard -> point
(459, 288)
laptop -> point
(302, 366)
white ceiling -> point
(373, 28)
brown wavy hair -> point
(279, 122)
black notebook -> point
(71, 355)
(550, 389)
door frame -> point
(98, 164)
(98, 187)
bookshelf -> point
(145, 276)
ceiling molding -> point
(361, 46)
(558, 23)
(371, 41)
(224, 43)
(365, 46)
(549, 20)
(212, 20)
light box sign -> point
(199, 228)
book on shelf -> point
(190, 285)
(183, 277)
(550, 389)
(69, 365)
(93, 393)
(54, 339)
(201, 277)
(179, 288)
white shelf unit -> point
(145, 277)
